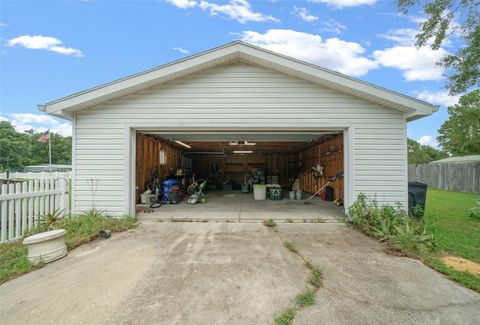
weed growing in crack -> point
(289, 220)
(286, 318)
(305, 298)
(290, 246)
(269, 223)
(316, 279)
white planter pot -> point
(46, 246)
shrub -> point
(390, 223)
(475, 211)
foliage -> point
(460, 134)
(14, 261)
(80, 229)
(421, 154)
(305, 298)
(290, 246)
(286, 318)
(444, 18)
(22, 149)
(316, 279)
(48, 221)
(392, 224)
(269, 223)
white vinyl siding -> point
(238, 95)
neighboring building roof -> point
(232, 52)
(461, 159)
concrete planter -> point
(46, 246)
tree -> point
(460, 134)
(421, 154)
(23, 149)
(443, 18)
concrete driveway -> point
(235, 273)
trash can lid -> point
(415, 183)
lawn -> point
(447, 217)
(455, 232)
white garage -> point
(247, 111)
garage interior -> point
(280, 169)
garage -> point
(249, 176)
(238, 115)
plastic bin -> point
(417, 195)
(259, 192)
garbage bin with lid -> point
(417, 195)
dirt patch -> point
(462, 265)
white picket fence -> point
(23, 204)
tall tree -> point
(444, 17)
(421, 154)
(22, 149)
(460, 134)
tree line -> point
(20, 149)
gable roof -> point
(231, 52)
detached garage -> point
(238, 116)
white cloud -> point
(345, 3)
(304, 14)
(416, 63)
(428, 140)
(183, 4)
(39, 42)
(439, 97)
(333, 26)
(239, 10)
(181, 50)
(402, 36)
(38, 122)
(33, 118)
(333, 53)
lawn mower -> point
(196, 192)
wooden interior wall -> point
(148, 160)
(234, 167)
(329, 154)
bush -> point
(390, 223)
(475, 211)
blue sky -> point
(50, 49)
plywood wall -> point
(234, 167)
(329, 154)
(148, 160)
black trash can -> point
(417, 195)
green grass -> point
(447, 217)
(286, 318)
(80, 230)
(269, 223)
(290, 246)
(305, 298)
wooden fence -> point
(22, 204)
(457, 177)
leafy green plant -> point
(50, 220)
(475, 211)
(390, 223)
(305, 298)
(286, 318)
(269, 223)
(417, 212)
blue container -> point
(167, 186)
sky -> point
(51, 49)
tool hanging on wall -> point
(332, 179)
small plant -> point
(305, 298)
(269, 223)
(286, 318)
(417, 212)
(475, 211)
(49, 220)
(289, 220)
(290, 246)
(316, 279)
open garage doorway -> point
(248, 176)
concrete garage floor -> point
(238, 206)
(235, 273)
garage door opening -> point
(249, 176)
